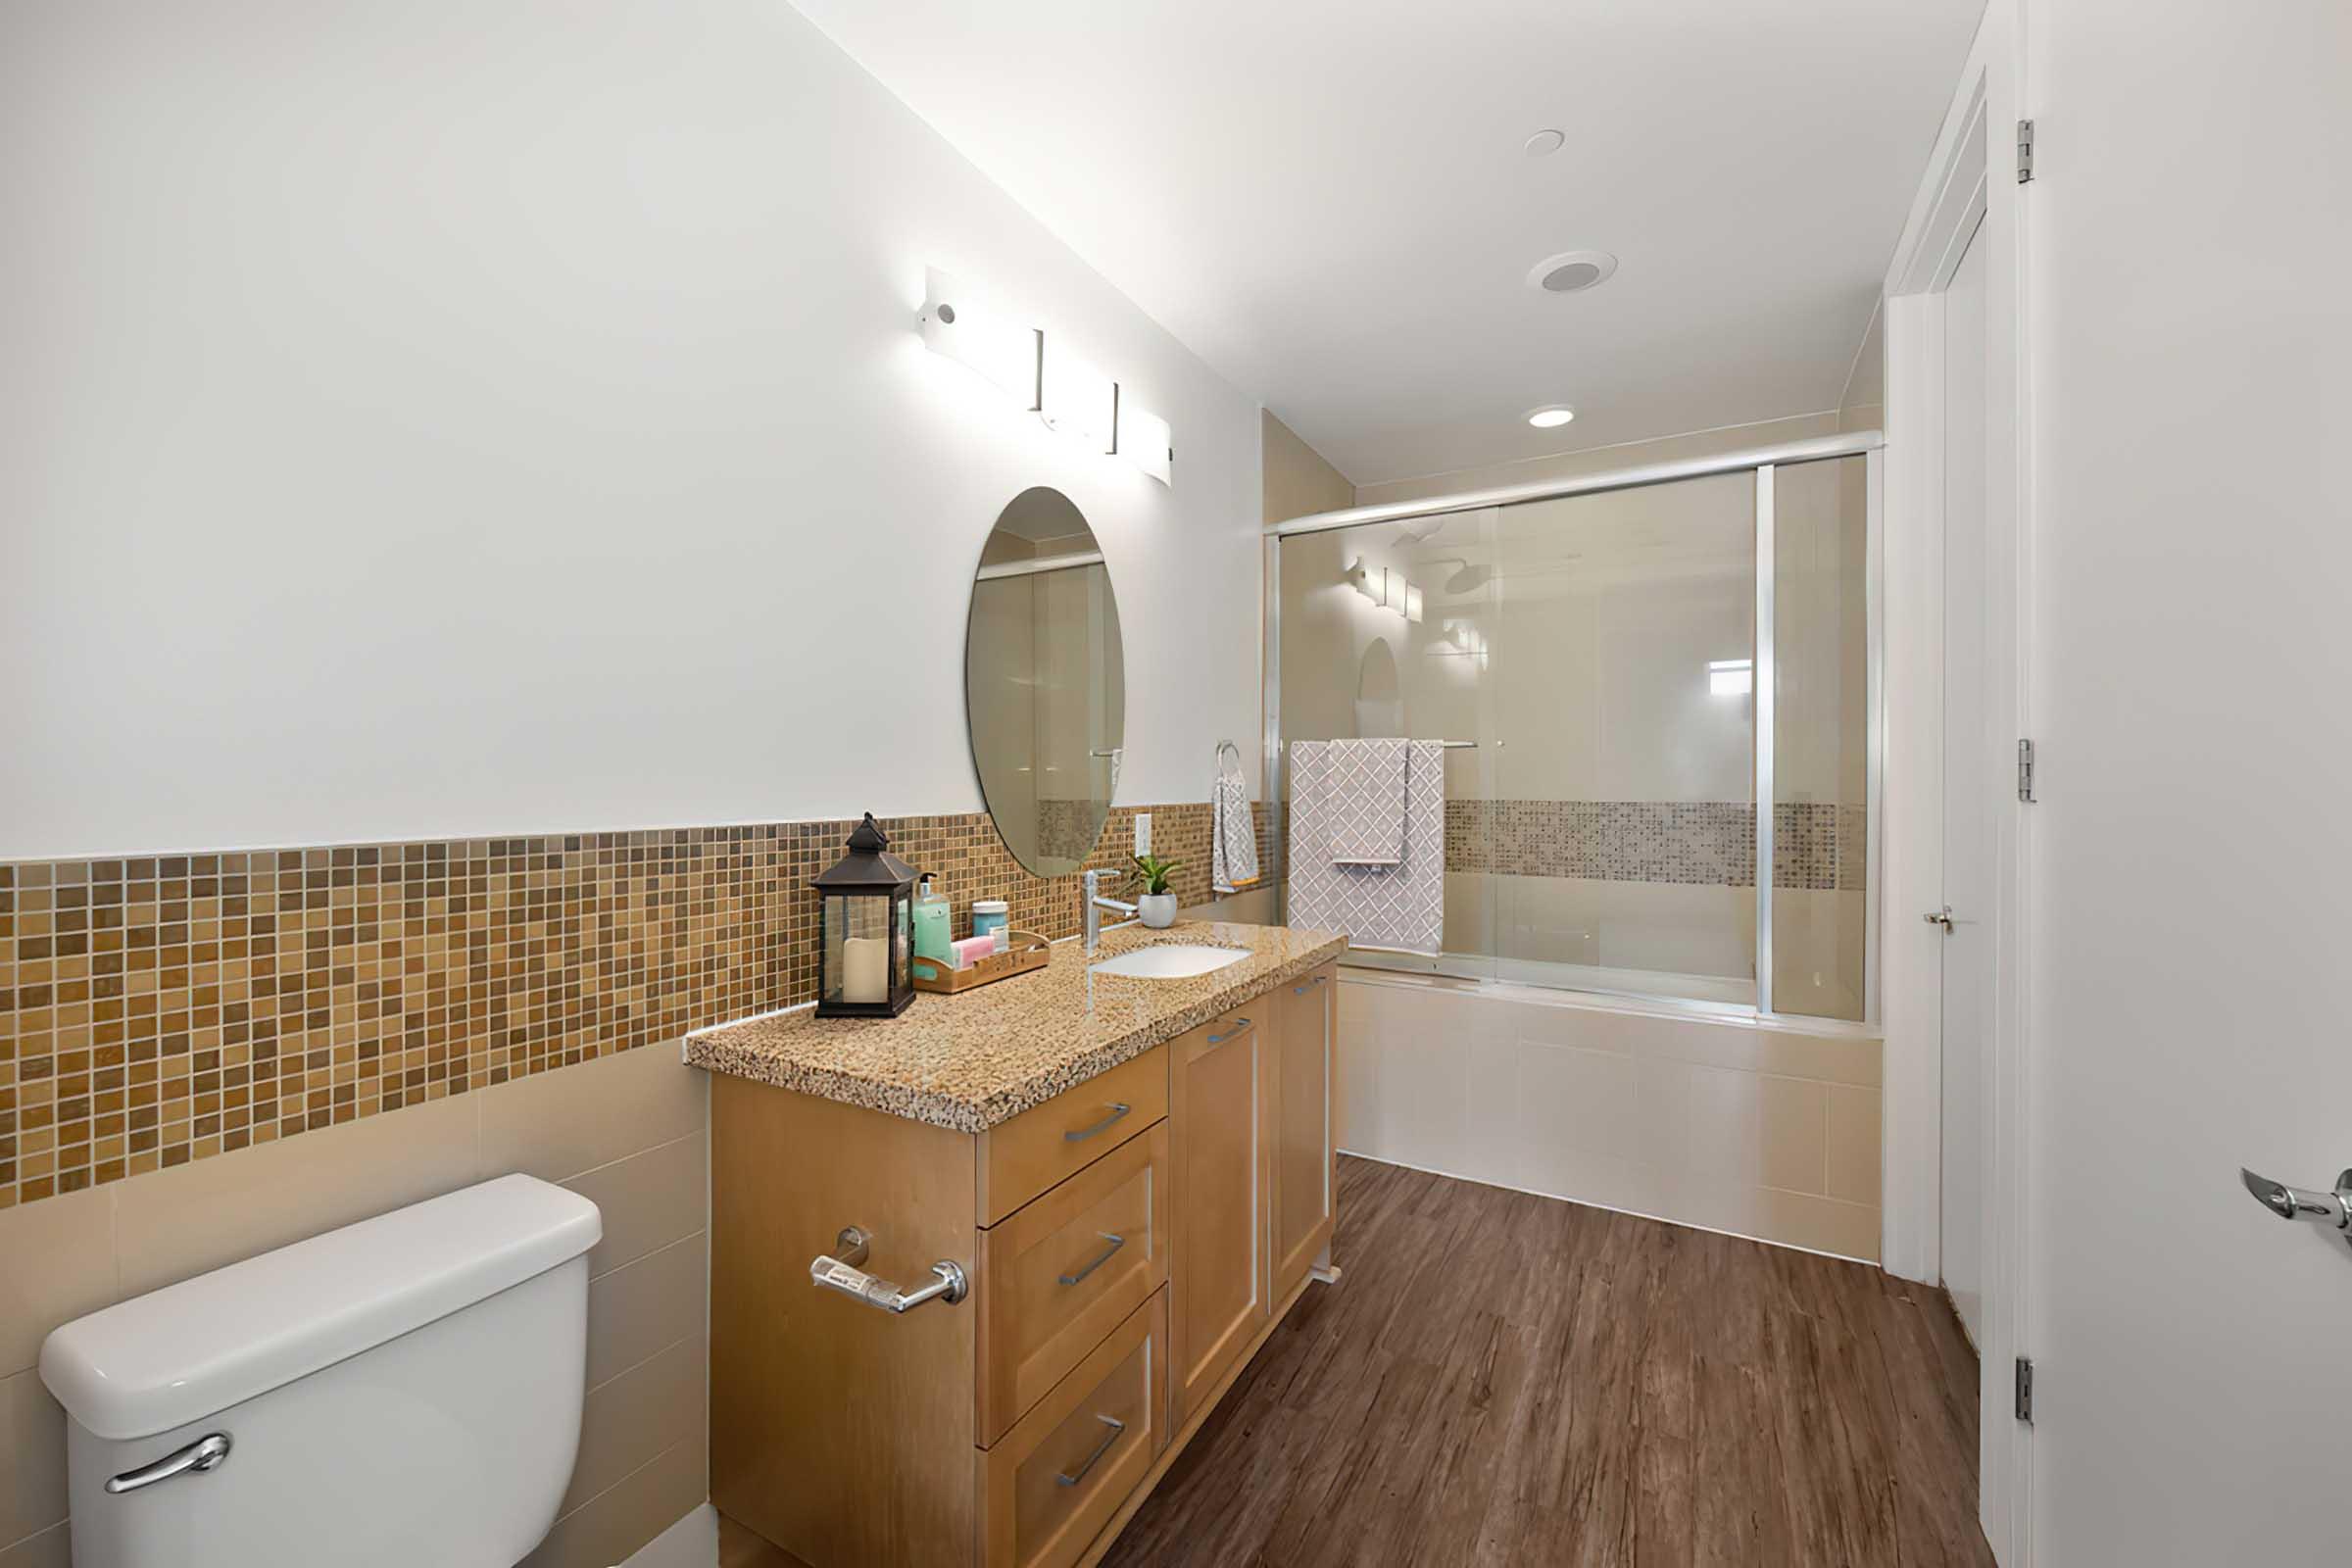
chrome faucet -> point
(1095, 903)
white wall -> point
(2192, 565)
(441, 419)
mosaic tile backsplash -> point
(159, 1009)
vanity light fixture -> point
(967, 329)
(1077, 398)
(1057, 384)
(1389, 590)
(1145, 440)
(1466, 639)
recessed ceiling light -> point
(1545, 141)
(1551, 417)
(1571, 272)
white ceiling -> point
(1327, 201)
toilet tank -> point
(400, 1391)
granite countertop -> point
(972, 1062)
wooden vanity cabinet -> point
(1305, 1160)
(1220, 1078)
(1130, 1245)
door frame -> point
(1969, 180)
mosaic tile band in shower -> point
(1816, 846)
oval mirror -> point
(1044, 684)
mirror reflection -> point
(1045, 682)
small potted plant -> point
(1158, 905)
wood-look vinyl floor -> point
(1502, 1379)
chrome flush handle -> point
(2330, 1210)
(207, 1452)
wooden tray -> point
(1026, 951)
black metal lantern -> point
(866, 966)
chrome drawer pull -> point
(948, 1281)
(1084, 1133)
(1239, 1025)
(1309, 986)
(205, 1453)
(1116, 1241)
(1118, 1428)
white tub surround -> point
(1760, 1127)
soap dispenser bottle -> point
(934, 924)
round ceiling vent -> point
(1571, 272)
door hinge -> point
(2025, 1390)
(2025, 151)
(2025, 771)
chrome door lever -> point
(1941, 917)
(2330, 1210)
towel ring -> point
(1227, 746)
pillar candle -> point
(866, 969)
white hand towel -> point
(1399, 908)
(1233, 831)
(1365, 790)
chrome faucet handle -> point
(2331, 1210)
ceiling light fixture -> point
(1544, 142)
(1551, 417)
(1571, 272)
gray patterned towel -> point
(1401, 908)
(1364, 797)
(1233, 832)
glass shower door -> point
(1623, 644)
(1376, 639)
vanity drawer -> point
(1069, 1132)
(1065, 1271)
(1051, 1486)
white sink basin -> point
(1176, 960)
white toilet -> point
(401, 1391)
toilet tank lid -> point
(191, 1350)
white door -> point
(2191, 565)
(1968, 840)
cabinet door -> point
(1220, 1134)
(1304, 1056)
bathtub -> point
(1701, 1114)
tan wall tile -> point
(639, 1414)
(32, 1457)
(648, 1200)
(184, 1222)
(614, 1524)
(558, 1125)
(51, 1549)
(647, 1306)
(1797, 1134)
(1854, 1118)
(57, 1262)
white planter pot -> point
(1157, 909)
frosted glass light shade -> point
(1145, 441)
(964, 327)
(1079, 400)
